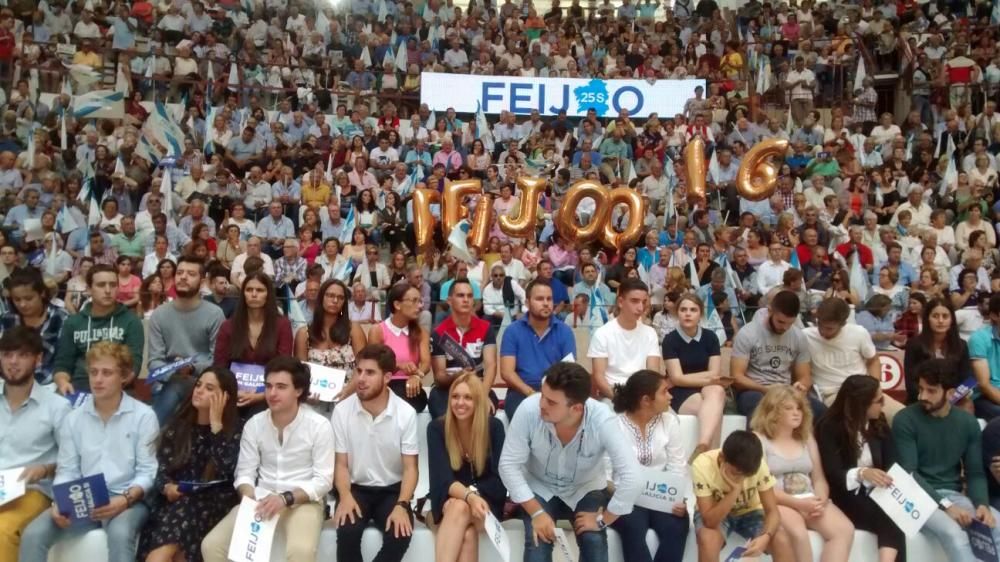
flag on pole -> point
(65, 223)
(693, 271)
(401, 58)
(31, 149)
(458, 240)
(209, 147)
(67, 88)
(858, 280)
(234, 77)
(167, 190)
(122, 83)
(347, 234)
(119, 168)
(295, 312)
(951, 172)
(483, 132)
(389, 57)
(63, 140)
(860, 74)
(366, 57)
(383, 11)
(714, 169)
(794, 260)
(432, 121)
(789, 123)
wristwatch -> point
(601, 525)
(469, 491)
(289, 498)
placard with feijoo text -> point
(984, 549)
(497, 536)
(252, 535)
(325, 383)
(163, 371)
(78, 499)
(905, 502)
(249, 377)
(11, 485)
(662, 490)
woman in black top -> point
(938, 338)
(856, 447)
(463, 450)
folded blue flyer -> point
(79, 498)
(76, 399)
(168, 369)
(195, 486)
(964, 389)
(249, 377)
(736, 554)
(981, 541)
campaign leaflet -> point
(78, 499)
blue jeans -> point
(169, 396)
(511, 402)
(747, 401)
(671, 530)
(953, 538)
(122, 531)
(986, 408)
(593, 544)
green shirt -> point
(134, 247)
(935, 450)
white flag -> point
(366, 57)
(860, 74)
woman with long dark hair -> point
(256, 333)
(463, 452)
(401, 331)
(856, 449)
(938, 338)
(654, 433)
(332, 340)
(200, 444)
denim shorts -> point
(750, 525)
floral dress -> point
(186, 521)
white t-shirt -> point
(836, 359)
(625, 350)
(375, 446)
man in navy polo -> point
(531, 345)
(461, 343)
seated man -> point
(941, 447)
(553, 465)
(735, 493)
(111, 434)
(31, 417)
(376, 451)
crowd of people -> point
(252, 205)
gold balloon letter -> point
(566, 217)
(694, 163)
(479, 234)
(423, 220)
(527, 216)
(758, 176)
(636, 213)
(453, 207)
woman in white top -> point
(653, 431)
(783, 421)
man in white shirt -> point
(287, 453)
(838, 350)
(253, 250)
(771, 272)
(816, 195)
(513, 267)
(625, 344)
(920, 212)
(503, 303)
(801, 81)
(376, 456)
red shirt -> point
(479, 336)
(864, 253)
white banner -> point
(662, 490)
(11, 485)
(252, 536)
(468, 93)
(497, 535)
(325, 382)
(905, 502)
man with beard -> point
(30, 417)
(185, 327)
(287, 453)
(770, 351)
(531, 345)
(941, 447)
(375, 433)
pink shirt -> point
(398, 340)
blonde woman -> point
(783, 422)
(463, 452)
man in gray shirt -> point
(185, 327)
(769, 351)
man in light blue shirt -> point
(30, 209)
(124, 27)
(111, 434)
(553, 465)
(30, 417)
(274, 229)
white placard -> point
(569, 358)
(562, 545)
(497, 535)
(11, 485)
(325, 382)
(662, 490)
(468, 93)
(252, 536)
(905, 502)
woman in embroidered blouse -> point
(653, 431)
(201, 443)
(463, 450)
(332, 339)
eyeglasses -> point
(498, 275)
(417, 300)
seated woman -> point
(200, 444)
(856, 447)
(331, 340)
(463, 449)
(401, 331)
(693, 360)
(654, 432)
(783, 421)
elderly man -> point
(448, 157)
(253, 250)
(274, 229)
(856, 246)
(11, 181)
(196, 215)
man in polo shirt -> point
(462, 343)
(531, 345)
(375, 438)
(560, 293)
(984, 350)
(625, 344)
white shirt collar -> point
(397, 331)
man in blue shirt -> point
(552, 464)
(30, 417)
(113, 435)
(531, 345)
(906, 275)
(560, 294)
(984, 351)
